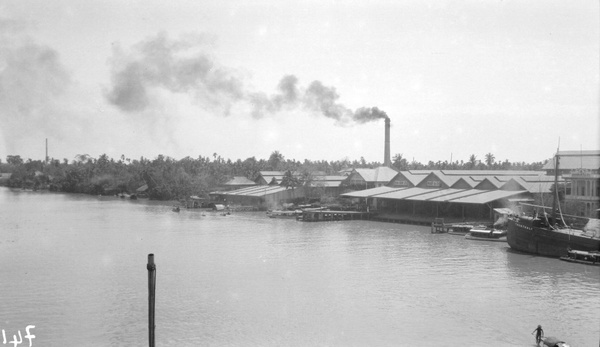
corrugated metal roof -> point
(487, 196)
(457, 195)
(327, 184)
(405, 193)
(419, 172)
(380, 174)
(540, 178)
(537, 187)
(370, 192)
(465, 196)
(480, 178)
(570, 160)
(491, 180)
(468, 180)
(329, 178)
(449, 180)
(254, 191)
(438, 195)
(239, 180)
(413, 178)
(492, 172)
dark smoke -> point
(365, 114)
(184, 66)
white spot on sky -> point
(262, 31)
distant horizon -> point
(409, 159)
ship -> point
(552, 234)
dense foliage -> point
(168, 178)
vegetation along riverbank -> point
(168, 178)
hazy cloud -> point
(32, 83)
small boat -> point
(554, 342)
(286, 214)
(460, 229)
(490, 234)
(582, 257)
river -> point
(74, 266)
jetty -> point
(332, 216)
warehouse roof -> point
(240, 181)
(466, 196)
(371, 192)
(380, 174)
(254, 191)
(570, 160)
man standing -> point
(538, 335)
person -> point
(539, 334)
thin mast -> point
(555, 199)
(555, 189)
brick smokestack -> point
(386, 151)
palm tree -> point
(489, 159)
(289, 180)
(472, 161)
(399, 162)
(275, 160)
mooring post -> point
(151, 290)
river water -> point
(74, 266)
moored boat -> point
(460, 229)
(286, 214)
(490, 234)
(550, 235)
(551, 341)
(537, 235)
(582, 257)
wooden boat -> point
(490, 234)
(582, 257)
(553, 342)
(460, 229)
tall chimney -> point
(386, 152)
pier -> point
(331, 216)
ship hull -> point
(524, 237)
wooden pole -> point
(151, 291)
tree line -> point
(168, 178)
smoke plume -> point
(185, 66)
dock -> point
(332, 216)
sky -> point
(310, 79)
